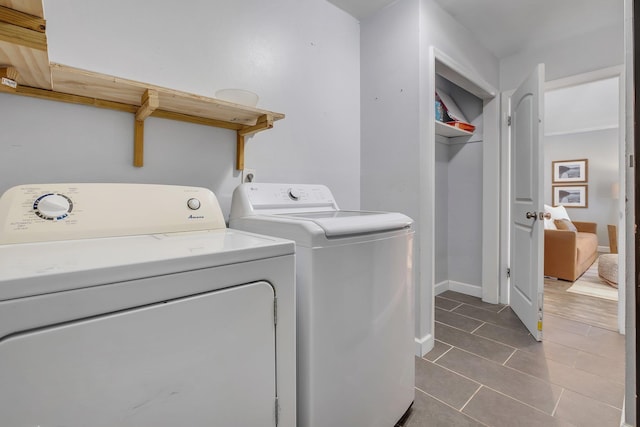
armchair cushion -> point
(568, 254)
(564, 224)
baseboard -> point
(623, 421)
(424, 345)
(604, 249)
(465, 288)
(441, 287)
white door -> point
(527, 286)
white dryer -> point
(132, 305)
(354, 287)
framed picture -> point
(569, 171)
(570, 196)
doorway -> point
(583, 122)
(602, 189)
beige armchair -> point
(568, 254)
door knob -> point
(541, 215)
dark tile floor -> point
(487, 370)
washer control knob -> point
(294, 194)
(194, 204)
(53, 206)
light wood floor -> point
(590, 310)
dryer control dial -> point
(193, 204)
(294, 194)
(53, 206)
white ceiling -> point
(586, 107)
(508, 26)
(360, 9)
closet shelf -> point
(450, 131)
(27, 61)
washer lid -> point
(344, 223)
(40, 268)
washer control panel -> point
(288, 195)
(47, 212)
(267, 198)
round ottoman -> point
(608, 269)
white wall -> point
(46, 141)
(300, 56)
(465, 213)
(395, 45)
(390, 109)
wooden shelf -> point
(23, 49)
(450, 131)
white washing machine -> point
(354, 285)
(133, 305)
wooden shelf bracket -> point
(150, 102)
(8, 77)
(264, 122)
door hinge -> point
(508, 120)
(508, 272)
(632, 161)
(277, 407)
(275, 311)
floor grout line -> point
(472, 396)
(456, 372)
(481, 320)
(439, 357)
(502, 309)
(517, 400)
(471, 305)
(509, 358)
(481, 325)
(475, 335)
(555, 408)
(450, 406)
(448, 299)
(492, 361)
